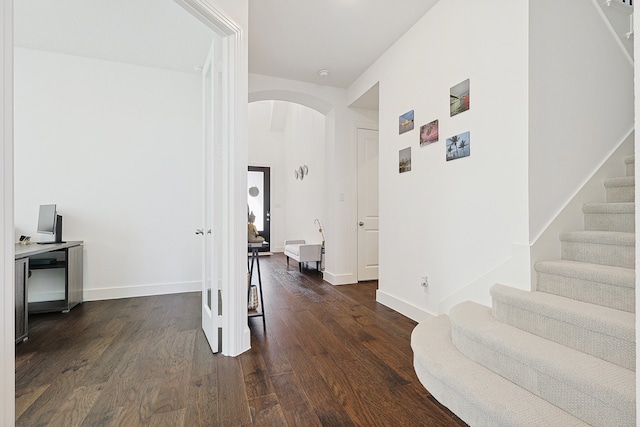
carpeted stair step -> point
(620, 189)
(602, 332)
(609, 217)
(604, 285)
(630, 162)
(477, 395)
(594, 390)
(599, 247)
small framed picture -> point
(405, 160)
(406, 122)
(429, 133)
(459, 146)
(459, 98)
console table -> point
(254, 247)
(67, 256)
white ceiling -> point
(291, 39)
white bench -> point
(302, 252)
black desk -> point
(66, 255)
(255, 258)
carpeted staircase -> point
(562, 355)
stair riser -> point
(566, 396)
(605, 346)
(603, 294)
(631, 169)
(610, 222)
(617, 256)
(620, 194)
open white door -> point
(368, 216)
(211, 196)
(224, 250)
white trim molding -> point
(403, 307)
(7, 262)
(340, 279)
(139, 291)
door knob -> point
(361, 223)
(200, 231)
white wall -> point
(305, 139)
(581, 102)
(295, 203)
(453, 221)
(118, 148)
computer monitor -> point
(49, 222)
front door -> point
(367, 204)
(259, 201)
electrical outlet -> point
(425, 283)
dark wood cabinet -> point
(22, 316)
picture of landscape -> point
(429, 133)
(458, 146)
(406, 122)
(459, 98)
(405, 160)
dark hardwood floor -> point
(330, 356)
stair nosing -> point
(571, 311)
(541, 267)
(609, 238)
(621, 181)
(619, 208)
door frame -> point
(266, 170)
(7, 250)
(236, 336)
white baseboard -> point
(140, 291)
(403, 307)
(339, 279)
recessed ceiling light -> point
(323, 73)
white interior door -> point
(211, 197)
(368, 216)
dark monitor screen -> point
(47, 219)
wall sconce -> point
(301, 172)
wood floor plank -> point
(266, 411)
(26, 397)
(77, 406)
(106, 418)
(233, 406)
(325, 404)
(296, 407)
(328, 356)
(344, 391)
(202, 405)
(169, 419)
(256, 378)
